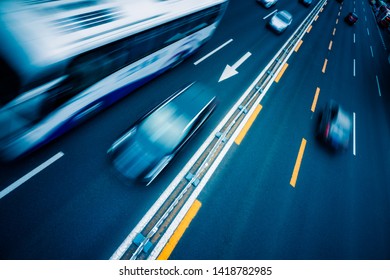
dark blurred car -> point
(306, 3)
(280, 21)
(334, 126)
(143, 151)
(351, 18)
(267, 3)
(340, 1)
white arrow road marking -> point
(230, 71)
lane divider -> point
(354, 134)
(324, 66)
(298, 46)
(314, 104)
(377, 83)
(184, 224)
(248, 124)
(298, 162)
(29, 175)
(277, 79)
(213, 52)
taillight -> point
(327, 130)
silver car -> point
(267, 3)
(144, 150)
(280, 21)
(334, 126)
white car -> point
(267, 3)
(280, 21)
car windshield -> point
(165, 128)
(343, 120)
(285, 17)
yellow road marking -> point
(249, 123)
(170, 246)
(316, 18)
(334, 31)
(314, 104)
(281, 73)
(330, 45)
(297, 166)
(324, 67)
(310, 27)
(298, 45)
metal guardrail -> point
(145, 240)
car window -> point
(343, 120)
(284, 17)
(166, 127)
(333, 111)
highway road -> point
(70, 205)
(339, 206)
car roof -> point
(193, 99)
(285, 13)
(343, 119)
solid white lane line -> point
(372, 53)
(270, 14)
(379, 88)
(213, 52)
(29, 175)
(354, 134)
